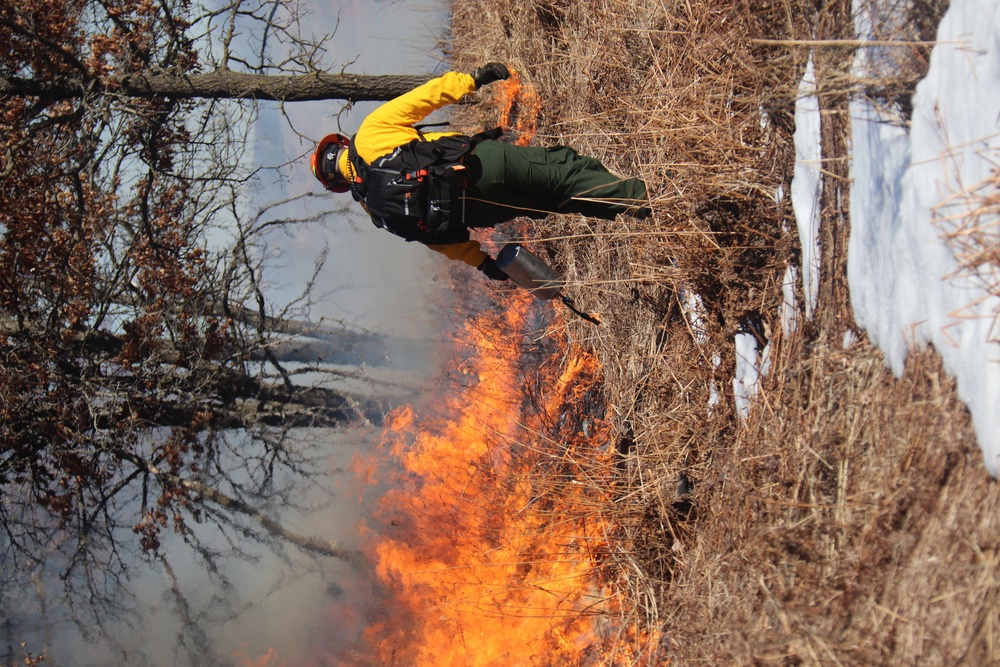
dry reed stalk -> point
(847, 519)
(970, 223)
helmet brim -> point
(338, 184)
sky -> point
(909, 187)
(372, 279)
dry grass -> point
(849, 519)
(847, 523)
(970, 222)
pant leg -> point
(535, 181)
(495, 196)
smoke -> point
(304, 607)
(246, 603)
(298, 609)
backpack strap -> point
(356, 180)
(440, 160)
(491, 134)
(423, 126)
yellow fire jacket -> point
(391, 126)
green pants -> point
(533, 181)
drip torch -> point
(531, 273)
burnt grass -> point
(848, 518)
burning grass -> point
(492, 534)
(848, 518)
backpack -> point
(418, 191)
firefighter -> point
(502, 181)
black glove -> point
(489, 73)
(491, 270)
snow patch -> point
(807, 183)
(901, 272)
(752, 364)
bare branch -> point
(223, 84)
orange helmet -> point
(324, 162)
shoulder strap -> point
(353, 158)
(357, 180)
(423, 126)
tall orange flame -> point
(520, 107)
(492, 539)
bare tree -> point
(142, 383)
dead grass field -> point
(848, 520)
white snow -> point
(807, 183)
(752, 364)
(908, 186)
(789, 307)
(901, 271)
(806, 190)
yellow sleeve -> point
(391, 125)
(466, 251)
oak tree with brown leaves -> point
(141, 381)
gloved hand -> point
(489, 73)
(491, 270)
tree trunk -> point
(224, 84)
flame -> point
(492, 539)
(521, 103)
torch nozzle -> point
(569, 304)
